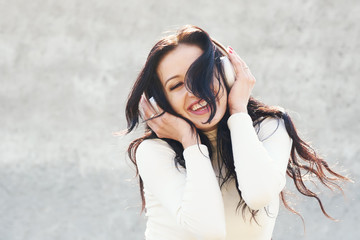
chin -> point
(204, 127)
(207, 128)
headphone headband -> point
(219, 46)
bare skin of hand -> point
(244, 83)
(168, 125)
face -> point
(171, 71)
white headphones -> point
(228, 67)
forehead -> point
(178, 61)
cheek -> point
(222, 94)
(219, 87)
(222, 104)
(176, 101)
(222, 100)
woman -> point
(213, 160)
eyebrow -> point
(166, 82)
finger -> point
(238, 63)
(141, 111)
(236, 55)
(147, 108)
(160, 110)
(154, 105)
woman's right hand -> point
(168, 125)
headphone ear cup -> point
(228, 70)
(227, 66)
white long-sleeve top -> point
(187, 204)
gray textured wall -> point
(66, 68)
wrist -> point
(238, 110)
(190, 140)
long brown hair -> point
(303, 159)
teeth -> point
(199, 105)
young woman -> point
(213, 160)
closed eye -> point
(176, 86)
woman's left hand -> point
(239, 95)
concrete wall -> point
(66, 68)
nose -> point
(189, 94)
(187, 97)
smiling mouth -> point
(200, 106)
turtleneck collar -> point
(212, 136)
